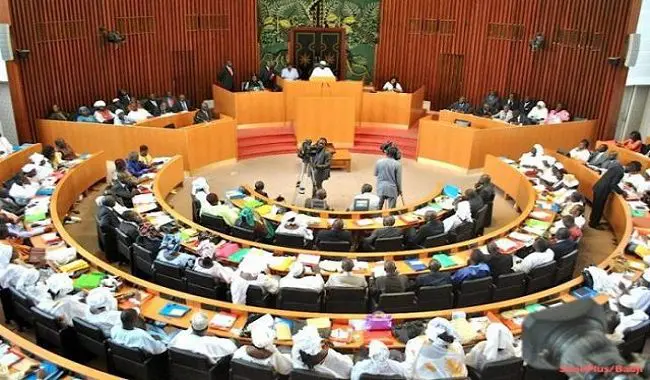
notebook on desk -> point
(174, 310)
(445, 260)
(416, 265)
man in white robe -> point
(322, 71)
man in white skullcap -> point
(262, 351)
(378, 363)
(195, 340)
(102, 309)
(628, 313)
(28, 284)
(250, 272)
(296, 279)
(103, 114)
(438, 354)
(322, 71)
(127, 334)
(60, 303)
(200, 188)
(497, 346)
(309, 353)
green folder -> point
(538, 224)
(445, 260)
(89, 280)
(534, 308)
(37, 217)
(238, 256)
(638, 213)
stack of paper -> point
(51, 238)
(540, 215)
(143, 199)
(223, 321)
(307, 259)
(505, 245)
(361, 265)
(522, 237)
(364, 222)
(235, 194)
(319, 323)
(330, 266)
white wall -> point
(3, 72)
(640, 74)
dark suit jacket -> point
(123, 194)
(202, 117)
(333, 235)
(433, 279)
(226, 80)
(150, 244)
(390, 284)
(597, 159)
(462, 108)
(433, 228)
(500, 264)
(179, 108)
(107, 218)
(267, 76)
(322, 162)
(563, 248)
(153, 109)
(129, 229)
(475, 204)
(487, 192)
(527, 107)
(608, 182)
(384, 232)
(514, 104)
(125, 99)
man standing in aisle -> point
(388, 171)
(607, 184)
(227, 77)
(321, 163)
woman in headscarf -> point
(50, 155)
(103, 114)
(497, 346)
(250, 272)
(558, 115)
(59, 302)
(251, 220)
(438, 354)
(102, 309)
(85, 116)
(262, 351)
(149, 237)
(64, 150)
(538, 114)
(309, 352)
(378, 363)
(536, 158)
(462, 215)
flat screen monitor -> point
(463, 123)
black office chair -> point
(508, 369)
(98, 230)
(257, 296)
(334, 246)
(185, 365)
(204, 285)
(474, 292)
(168, 275)
(52, 334)
(22, 308)
(304, 374)
(480, 221)
(435, 297)
(243, 233)
(531, 373)
(565, 267)
(244, 370)
(142, 262)
(215, 223)
(397, 302)
(361, 205)
(7, 305)
(299, 300)
(346, 300)
(124, 244)
(634, 339)
(508, 286)
(367, 376)
(109, 237)
(540, 278)
(490, 213)
(435, 241)
(91, 338)
(391, 244)
(132, 363)
(462, 232)
(196, 210)
(290, 241)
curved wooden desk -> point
(513, 184)
(11, 164)
(28, 347)
(80, 178)
(625, 156)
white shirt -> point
(314, 283)
(104, 320)
(372, 198)
(66, 308)
(209, 346)
(532, 261)
(503, 115)
(629, 321)
(281, 363)
(137, 338)
(300, 220)
(289, 74)
(390, 87)
(322, 72)
(476, 358)
(5, 146)
(580, 154)
(335, 364)
(22, 194)
(139, 115)
(217, 271)
(538, 114)
(388, 368)
(239, 286)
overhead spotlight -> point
(111, 36)
(537, 43)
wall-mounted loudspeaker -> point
(6, 52)
(632, 55)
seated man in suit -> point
(462, 106)
(498, 262)
(346, 279)
(434, 277)
(610, 161)
(366, 194)
(334, 234)
(432, 227)
(391, 282)
(388, 231)
(318, 202)
(268, 76)
(130, 225)
(182, 104)
(476, 268)
(152, 104)
(204, 115)
(107, 216)
(563, 244)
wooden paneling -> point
(331, 117)
(177, 45)
(468, 47)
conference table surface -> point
(80, 178)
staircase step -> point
(378, 140)
(369, 149)
(264, 131)
(265, 150)
(411, 133)
(264, 140)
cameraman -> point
(321, 162)
(388, 171)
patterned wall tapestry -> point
(359, 18)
